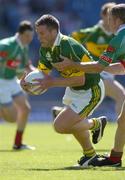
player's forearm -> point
(116, 69)
(90, 67)
(64, 82)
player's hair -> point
(25, 26)
(50, 21)
(106, 7)
(118, 11)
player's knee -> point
(9, 119)
(59, 128)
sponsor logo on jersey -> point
(101, 40)
(13, 64)
(110, 49)
(106, 58)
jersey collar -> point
(121, 27)
(57, 40)
(18, 40)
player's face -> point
(113, 23)
(46, 35)
(27, 37)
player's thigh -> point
(114, 89)
(65, 120)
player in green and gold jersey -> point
(14, 59)
(84, 92)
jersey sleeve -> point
(110, 54)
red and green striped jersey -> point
(13, 57)
(68, 47)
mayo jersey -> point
(115, 52)
(95, 39)
(13, 57)
(70, 48)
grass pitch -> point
(53, 157)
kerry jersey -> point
(13, 57)
(115, 52)
(95, 39)
(70, 48)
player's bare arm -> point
(50, 81)
(87, 67)
(116, 68)
(90, 67)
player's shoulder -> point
(89, 29)
(8, 41)
(118, 38)
(68, 40)
(84, 32)
(121, 34)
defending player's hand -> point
(65, 64)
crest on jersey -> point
(101, 40)
(48, 56)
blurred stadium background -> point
(73, 14)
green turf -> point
(53, 156)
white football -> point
(36, 74)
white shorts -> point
(8, 90)
(84, 102)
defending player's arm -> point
(116, 69)
(105, 61)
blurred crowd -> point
(73, 14)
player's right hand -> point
(25, 85)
